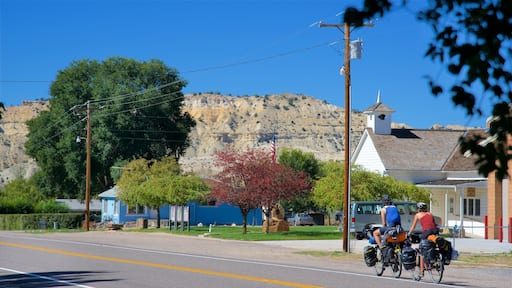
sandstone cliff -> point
(299, 121)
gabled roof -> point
(110, 193)
(378, 107)
(457, 161)
(77, 205)
(416, 149)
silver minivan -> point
(368, 212)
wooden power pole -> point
(346, 172)
(88, 167)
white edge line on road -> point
(45, 278)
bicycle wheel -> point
(396, 265)
(379, 266)
(437, 268)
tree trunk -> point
(245, 222)
(244, 212)
(158, 217)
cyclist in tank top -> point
(390, 217)
(428, 224)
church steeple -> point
(379, 117)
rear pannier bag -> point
(444, 246)
(427, 250)
(387, 254)
(408, 258)
(370, 256)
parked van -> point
(368, 212)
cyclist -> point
(428, 226)
(390, 218)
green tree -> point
(182, 189)
(364, 186)
(134, 174)
(138, 181)
(19, 196)
(50, 206)
(300, 161)
(328, 189)
(155, 183)
(136, 112)
(305, 162)
(472, 40)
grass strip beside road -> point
(256, 233)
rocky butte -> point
(298, 121)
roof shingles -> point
(417, 149)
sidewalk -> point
(463, 245)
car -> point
(301, 219)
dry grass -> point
(503, 260)
(498, 260)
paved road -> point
(131, 259)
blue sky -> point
(236, 47)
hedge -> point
(40, 221)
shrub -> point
(50, 206)
(40, 221)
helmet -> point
(421, 206)
(386, 199)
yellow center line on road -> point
(163, 266)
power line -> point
(131, 94)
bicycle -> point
(394, 241)
(433, 264)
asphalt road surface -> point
(131, 259)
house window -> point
(136, 209)
(452, 201)
(115, 207)
(471, 207)
(105, 206)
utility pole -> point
(88, 166)
(346, 172)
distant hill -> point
(299, 121)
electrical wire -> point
(124, 96)
(136, 108)
(129, 95)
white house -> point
(428, 158)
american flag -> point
(273, 147)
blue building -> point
(115, 211)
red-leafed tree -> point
(250, 180)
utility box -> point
(356, 49)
